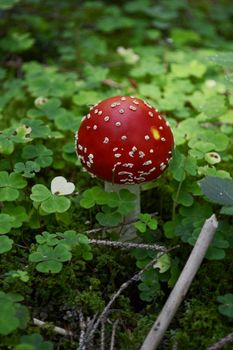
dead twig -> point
(125, 285)
(115, 324)
(57, 330)
(178, 293)
(128, 245)
(222, 342)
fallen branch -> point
(178, 293)
(222, 342)
(56, 329)
(115, 324)
(128, 245)
(125, 285)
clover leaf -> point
(27, 169)
(39, 153)
(50, 259)
(6, 223)
(49, 203)
(226, 307)
(13, 314)
(18, 213)
(47, 238)
(33, 342)
(5, 244)
(9, 185)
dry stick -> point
(178, 293)
(113, 334)
(102, 335)
(128, 245)
(125, 285)
(222, 342)
(56, 329)
(82, 326)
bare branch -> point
(128, 245)
(222, 342)
(56, 329)
(115, 324)
(125, 285)
(178, 293)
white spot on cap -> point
(131, 154)
(151, 150)
(135, 102)
(106, 119)
(160, 128)
(147, 137)
(152, 169)
(132, 96)
(83, 118)
(128, 165)
(88, 116)
(121, 111)
(95, 127)
(100, 112)
(150, 114)
(123, 98)
(115, 149)
(96, 111)
(170, 152)
(141, 154)
(134, 149)
(159, 116)
(117, 155)
(85, 150)
(163, 139)
(88, 164)
(132, 108)
(162, 166)
(88, 127)
(106, 140)
(148, 162)
(125, 173)
(124, 137)
(118, 123)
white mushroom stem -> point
(130, 231)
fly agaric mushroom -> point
(124, 141)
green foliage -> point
(13, 314)
(226, 307)
(49, 203)
(55, 64)
(33, 342)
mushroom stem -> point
(129, 232)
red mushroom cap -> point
(124, 140)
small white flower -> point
(210, 83)
(40, 101)
(61, 187)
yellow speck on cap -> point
(155, 133)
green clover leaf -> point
(50, 259)
(226, 307)
(50, 203)
(39, 153)
(9, 185)
(13, 314)
(5, 244)
(6, 223)
(35, 342)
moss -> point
(199, 326)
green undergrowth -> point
(56, 62)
